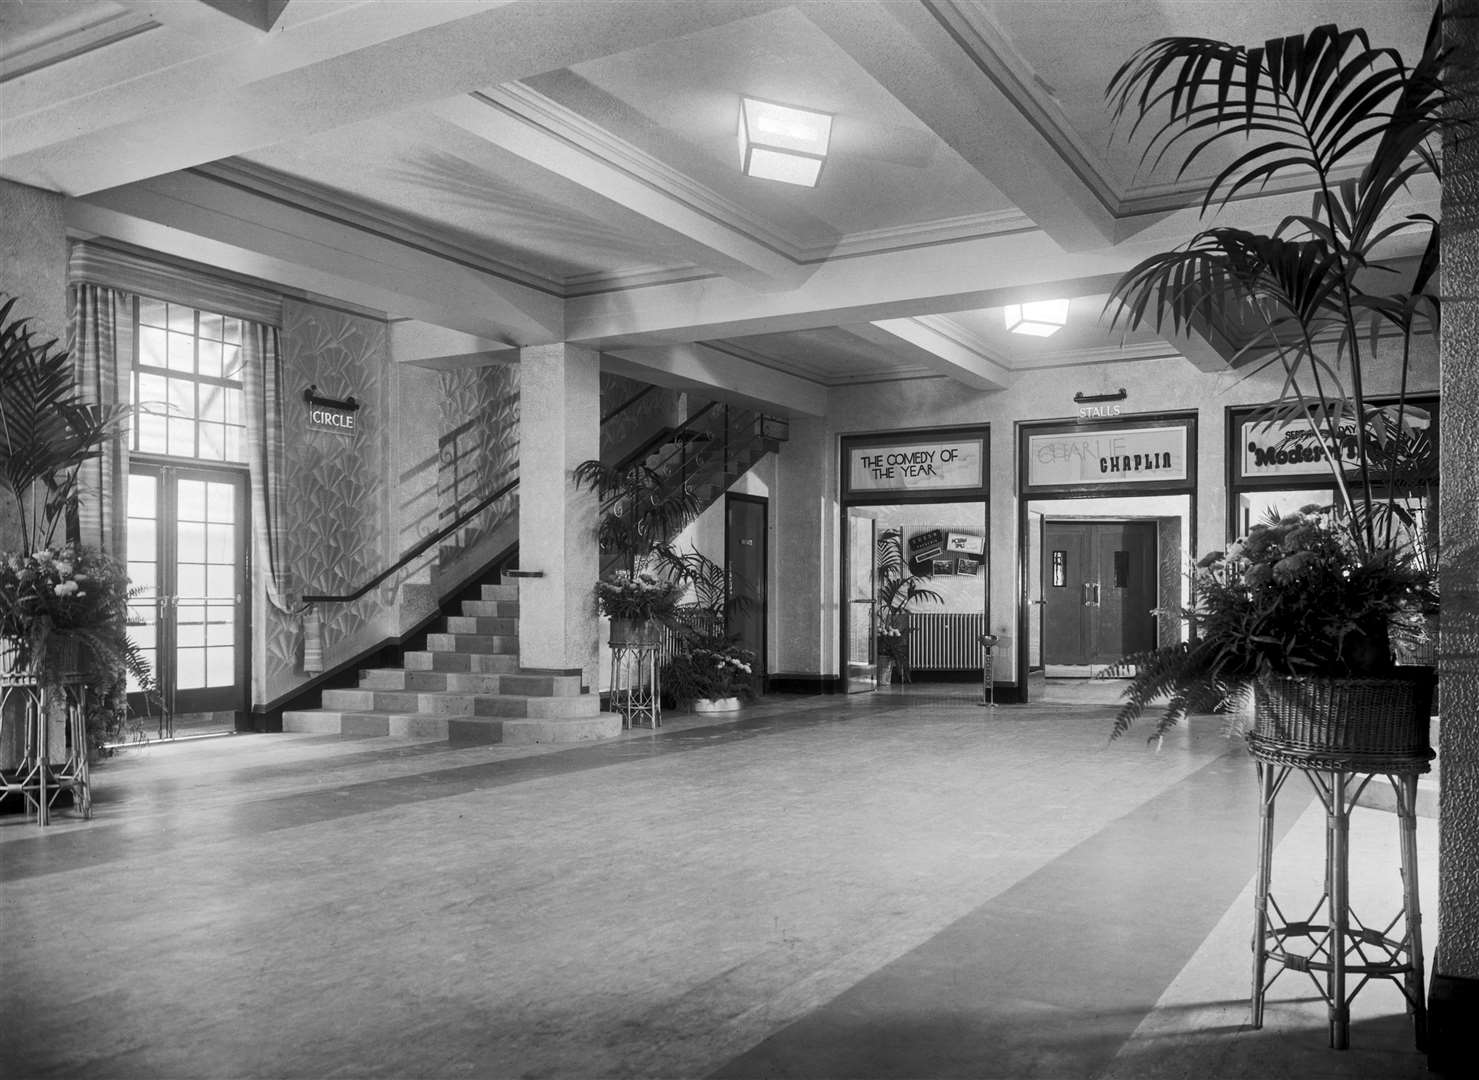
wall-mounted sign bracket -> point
(311, 395)
(1082, 398)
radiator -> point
(946, 640)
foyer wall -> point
(807, 585)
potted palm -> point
(898, 591)
(708, 667)
(63, 607)
(1311, 300)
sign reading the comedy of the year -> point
(916, 466)
(1108, 457)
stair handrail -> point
(418, 548)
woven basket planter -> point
(1365, 725)
(635, 632)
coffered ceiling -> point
(494, 174)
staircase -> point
(465, 687)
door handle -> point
(1096, 594)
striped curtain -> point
(100, 332)
(262, 381)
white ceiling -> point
(495, 174)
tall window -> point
(187, 382)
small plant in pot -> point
(713, 674)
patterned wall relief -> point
(478, 449)
(336, 489)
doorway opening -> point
(1106, 578)
(187, 541)
(917, 593)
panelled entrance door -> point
(187, 545)
(1099, 586)
(744, 556)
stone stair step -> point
(536, 685)
(502, 593)
(518, 731)
(516, 705)
(483, 625)
(430, 702)
(477, 663)
(473, 643)
(474, 730)
(405, 679)
(498, 609)
(339, 722)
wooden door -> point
(1099, 589)
(745, 519)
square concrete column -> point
(559, 427)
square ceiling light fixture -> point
(1039, 318)
(778, 142)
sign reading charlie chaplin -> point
(1111, 456)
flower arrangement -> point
(1297, 596)
(643, 595)
(715, 669)
(63, 614)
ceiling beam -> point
(652, 212)
(442, 349)
(959, 276)
(720, 375)
(940, 351)
(357, 62)
(938, 61)
(194, 216)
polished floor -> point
(898, 885)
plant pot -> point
(635, 631)
(716, 705)
(1370, 725)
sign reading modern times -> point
(916, 466)
(1289, 449)
(1107, 457)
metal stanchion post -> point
(988, 663)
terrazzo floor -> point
(899, 884)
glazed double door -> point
(187, 562)
(1099, 586)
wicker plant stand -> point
(1341, 733)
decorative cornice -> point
(98, 34)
